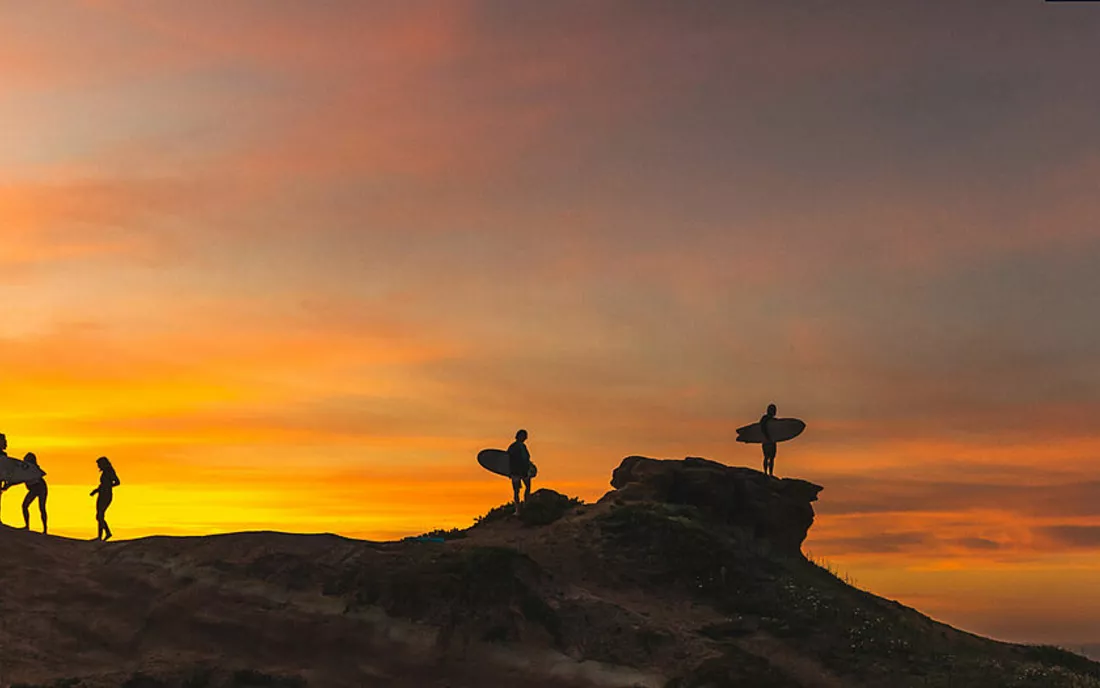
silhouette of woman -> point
(4, 486)
(35, 490)
(108, 481)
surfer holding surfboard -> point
(768, 432)
(13, 471)
(515, 463)
(519, 467)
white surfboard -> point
(14, 471)
(780, 429)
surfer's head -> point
(3, 441)
(771, 409)
(103, 462)
(31, 458)
(521, 435)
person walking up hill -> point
(108, 481)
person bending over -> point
(35, 490)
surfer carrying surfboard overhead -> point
(769, 443)
(519, 467)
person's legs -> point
(31, 494)
(515, 493)
(769, 458)
(101, 516)
(526, 489)
(42, 509)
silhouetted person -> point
(3, 455)
(108, 481)
(768, 445)
(519, 467)
(35, 490)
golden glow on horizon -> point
(292, 272)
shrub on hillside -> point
(449, 534)
(542, 508)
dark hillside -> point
(688, 574)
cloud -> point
(926, 544)
(978, 543)
(865, 495)
(465, 118)
(882, 543)
(42, 223)
(1072, 536)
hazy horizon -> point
(292, 265)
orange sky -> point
(290, 265)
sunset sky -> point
(292, 264)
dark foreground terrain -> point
(689, 574)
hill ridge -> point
(687, 574)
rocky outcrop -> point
(677, 579)
(774, 510)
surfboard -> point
(14, 471)
(496, 461)
(780, 429)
